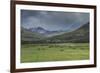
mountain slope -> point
(79, 35)
(46, 33)
(28, 36)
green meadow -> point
(54, 52)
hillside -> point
(79, 35)
(28, 36)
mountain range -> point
(41, 35)
(46, 33)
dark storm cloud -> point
(53, 20)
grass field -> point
(54, 52)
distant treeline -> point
(55, 41)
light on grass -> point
(52, 52)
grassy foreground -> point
(54, 52)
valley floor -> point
(54, 52)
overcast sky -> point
(52, 20)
